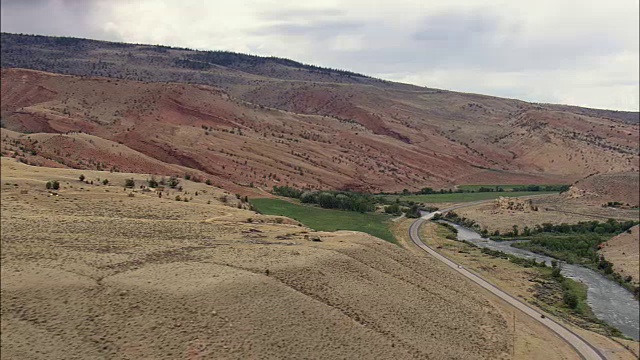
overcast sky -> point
(559, 51)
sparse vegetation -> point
(129, 183)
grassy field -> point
(326, 219)
(462, 197)
(505, 187)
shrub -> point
(105, 182)
(129, 183)
(81, 177)
(178, 198)
(208, 182)
(173, 182)
(53, 184)
(153, 183)
(392, 209)
(570, 299)
(131, 194)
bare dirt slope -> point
(623, 187)
(624, 252)
(94, 272)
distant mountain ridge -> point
(14, 51)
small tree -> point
(53, 184)
(556, 273)
(81, 177)
(153, 183)
(130, 183)
(173, 182)
(570, 299)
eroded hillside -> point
(337, 137)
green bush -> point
(173, 182)
(153, 183)
(53, 184)
(129, 183)
(570, 299)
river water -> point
(609, 301)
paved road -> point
(582, 347)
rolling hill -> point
(270, 121)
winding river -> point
(609, 301)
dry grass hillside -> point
(624, 252)
(274, 121)
(603, 188)
(89, 271)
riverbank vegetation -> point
(552, 292)
(572, 243)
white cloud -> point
(566, 51)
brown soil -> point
(600, 189)
(624, 252)
(90, 272)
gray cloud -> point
(558, 51)
(480, 40)
(458, 29)
(317, 29)
(53, 17)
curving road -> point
(582, 347)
